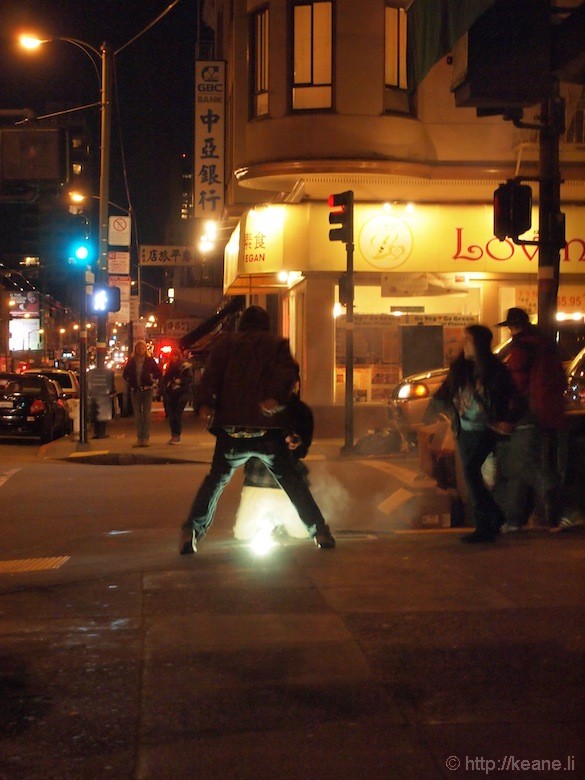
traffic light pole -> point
(348, 445)
(83, 394)
(341, 215)
(551, 220)
(104, 197)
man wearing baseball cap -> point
(529, 469)
(516, 320)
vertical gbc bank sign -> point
(209, 153)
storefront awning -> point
(194, 338)
(268, 250)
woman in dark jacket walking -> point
(176, 389)
(479, 396)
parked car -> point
(410, 398)
(32, 406)
(576, 386)
(66, 378)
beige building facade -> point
(317, 103)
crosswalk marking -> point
(5, 475)
(395, 501)
(32, 564)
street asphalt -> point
(400, 654)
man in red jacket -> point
(247, 382)
(531, 469)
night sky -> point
(153, 103)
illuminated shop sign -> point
(24, 304)
(209, 150)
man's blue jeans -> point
(231, 453)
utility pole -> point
(551, 220)
(341, 214)
(104, 196)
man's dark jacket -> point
(245, 369)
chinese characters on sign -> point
(166, 255)
(209, 156)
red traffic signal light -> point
(512, 209)
(341, 205)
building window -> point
(395, 97)
(259, 62)
(312, 55)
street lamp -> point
(97, 57)
(101, 56)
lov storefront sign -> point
(442, 239)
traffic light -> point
(79, 173)
(341, 215)
(33, 156)
(512, 209)
(345, 294)
(503, 61)
(104, 299)
(79, 247)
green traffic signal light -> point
(81, 252)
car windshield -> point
(25, 386)
(62, 379)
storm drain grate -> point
(32, 564)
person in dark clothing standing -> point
(141, 372)
(531, 476)
(248, 380)
(176, 389)
(479, 396)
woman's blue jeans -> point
(474, 447)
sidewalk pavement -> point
(196, 444)
(417, 502)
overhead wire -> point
(132, 40)
(149, 26)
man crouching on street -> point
(247, 381)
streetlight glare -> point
(211, 229)
(31, 42)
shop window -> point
(575, 133)
(395, 80)
(312, 55)
(259, 62)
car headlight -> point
(412, 390)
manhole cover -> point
(124, 459)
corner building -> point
(317, 103)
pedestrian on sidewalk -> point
(479, 396)
(532, 479)
(176, 389)
(141, 373)
(248, 379)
